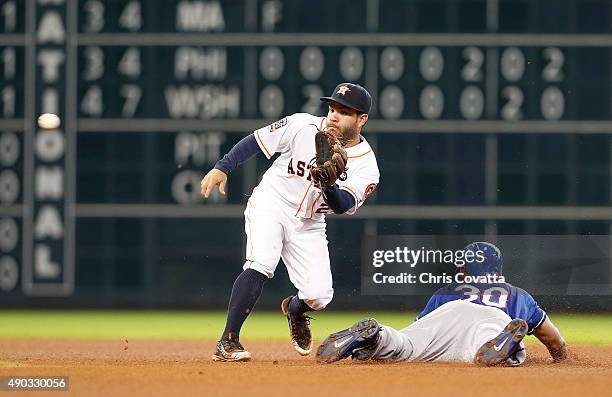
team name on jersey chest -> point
(299, 168)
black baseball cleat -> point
(230, 350)
(503, 346)
(299, 326)
(361, 336)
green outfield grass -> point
(576, 328)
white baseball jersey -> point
(285, 218)
(289, 176)
(453, 332)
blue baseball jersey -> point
(514, 301)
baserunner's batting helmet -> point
(492, 262)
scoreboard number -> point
(472, 71)
(391, 102)
(472, 103)
(9, 273)
(131, 17)
(552, 103)
(132, 94)
(391, 63)
(431, 103)
(94, 16)
(512, 109)
(312, 63)
(512, 64)
(553, 71)
(9, 12)
(8, 101)
(8, 62)
(91, 104)
(351, 63)
(93, 68)
(130, 65)
(431, 63)
(271, 63)
(9, 149)
(313, 92)
(271, 102)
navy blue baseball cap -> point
(492, 262)
(351, 95)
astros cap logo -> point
(343, 90)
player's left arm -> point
(362, 179)
(338, 200)
(542, 327)
(550, 336)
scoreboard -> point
(152, 92)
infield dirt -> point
(183, 368)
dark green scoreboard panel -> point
(476, 103)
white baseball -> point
(48, 121)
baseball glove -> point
(330, 160)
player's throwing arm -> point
(213, 178)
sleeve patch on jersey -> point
(369, 190)
(278, 124)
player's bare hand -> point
(214, 178)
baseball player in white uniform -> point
(453, 332)
(465, 322)
(285, 215)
